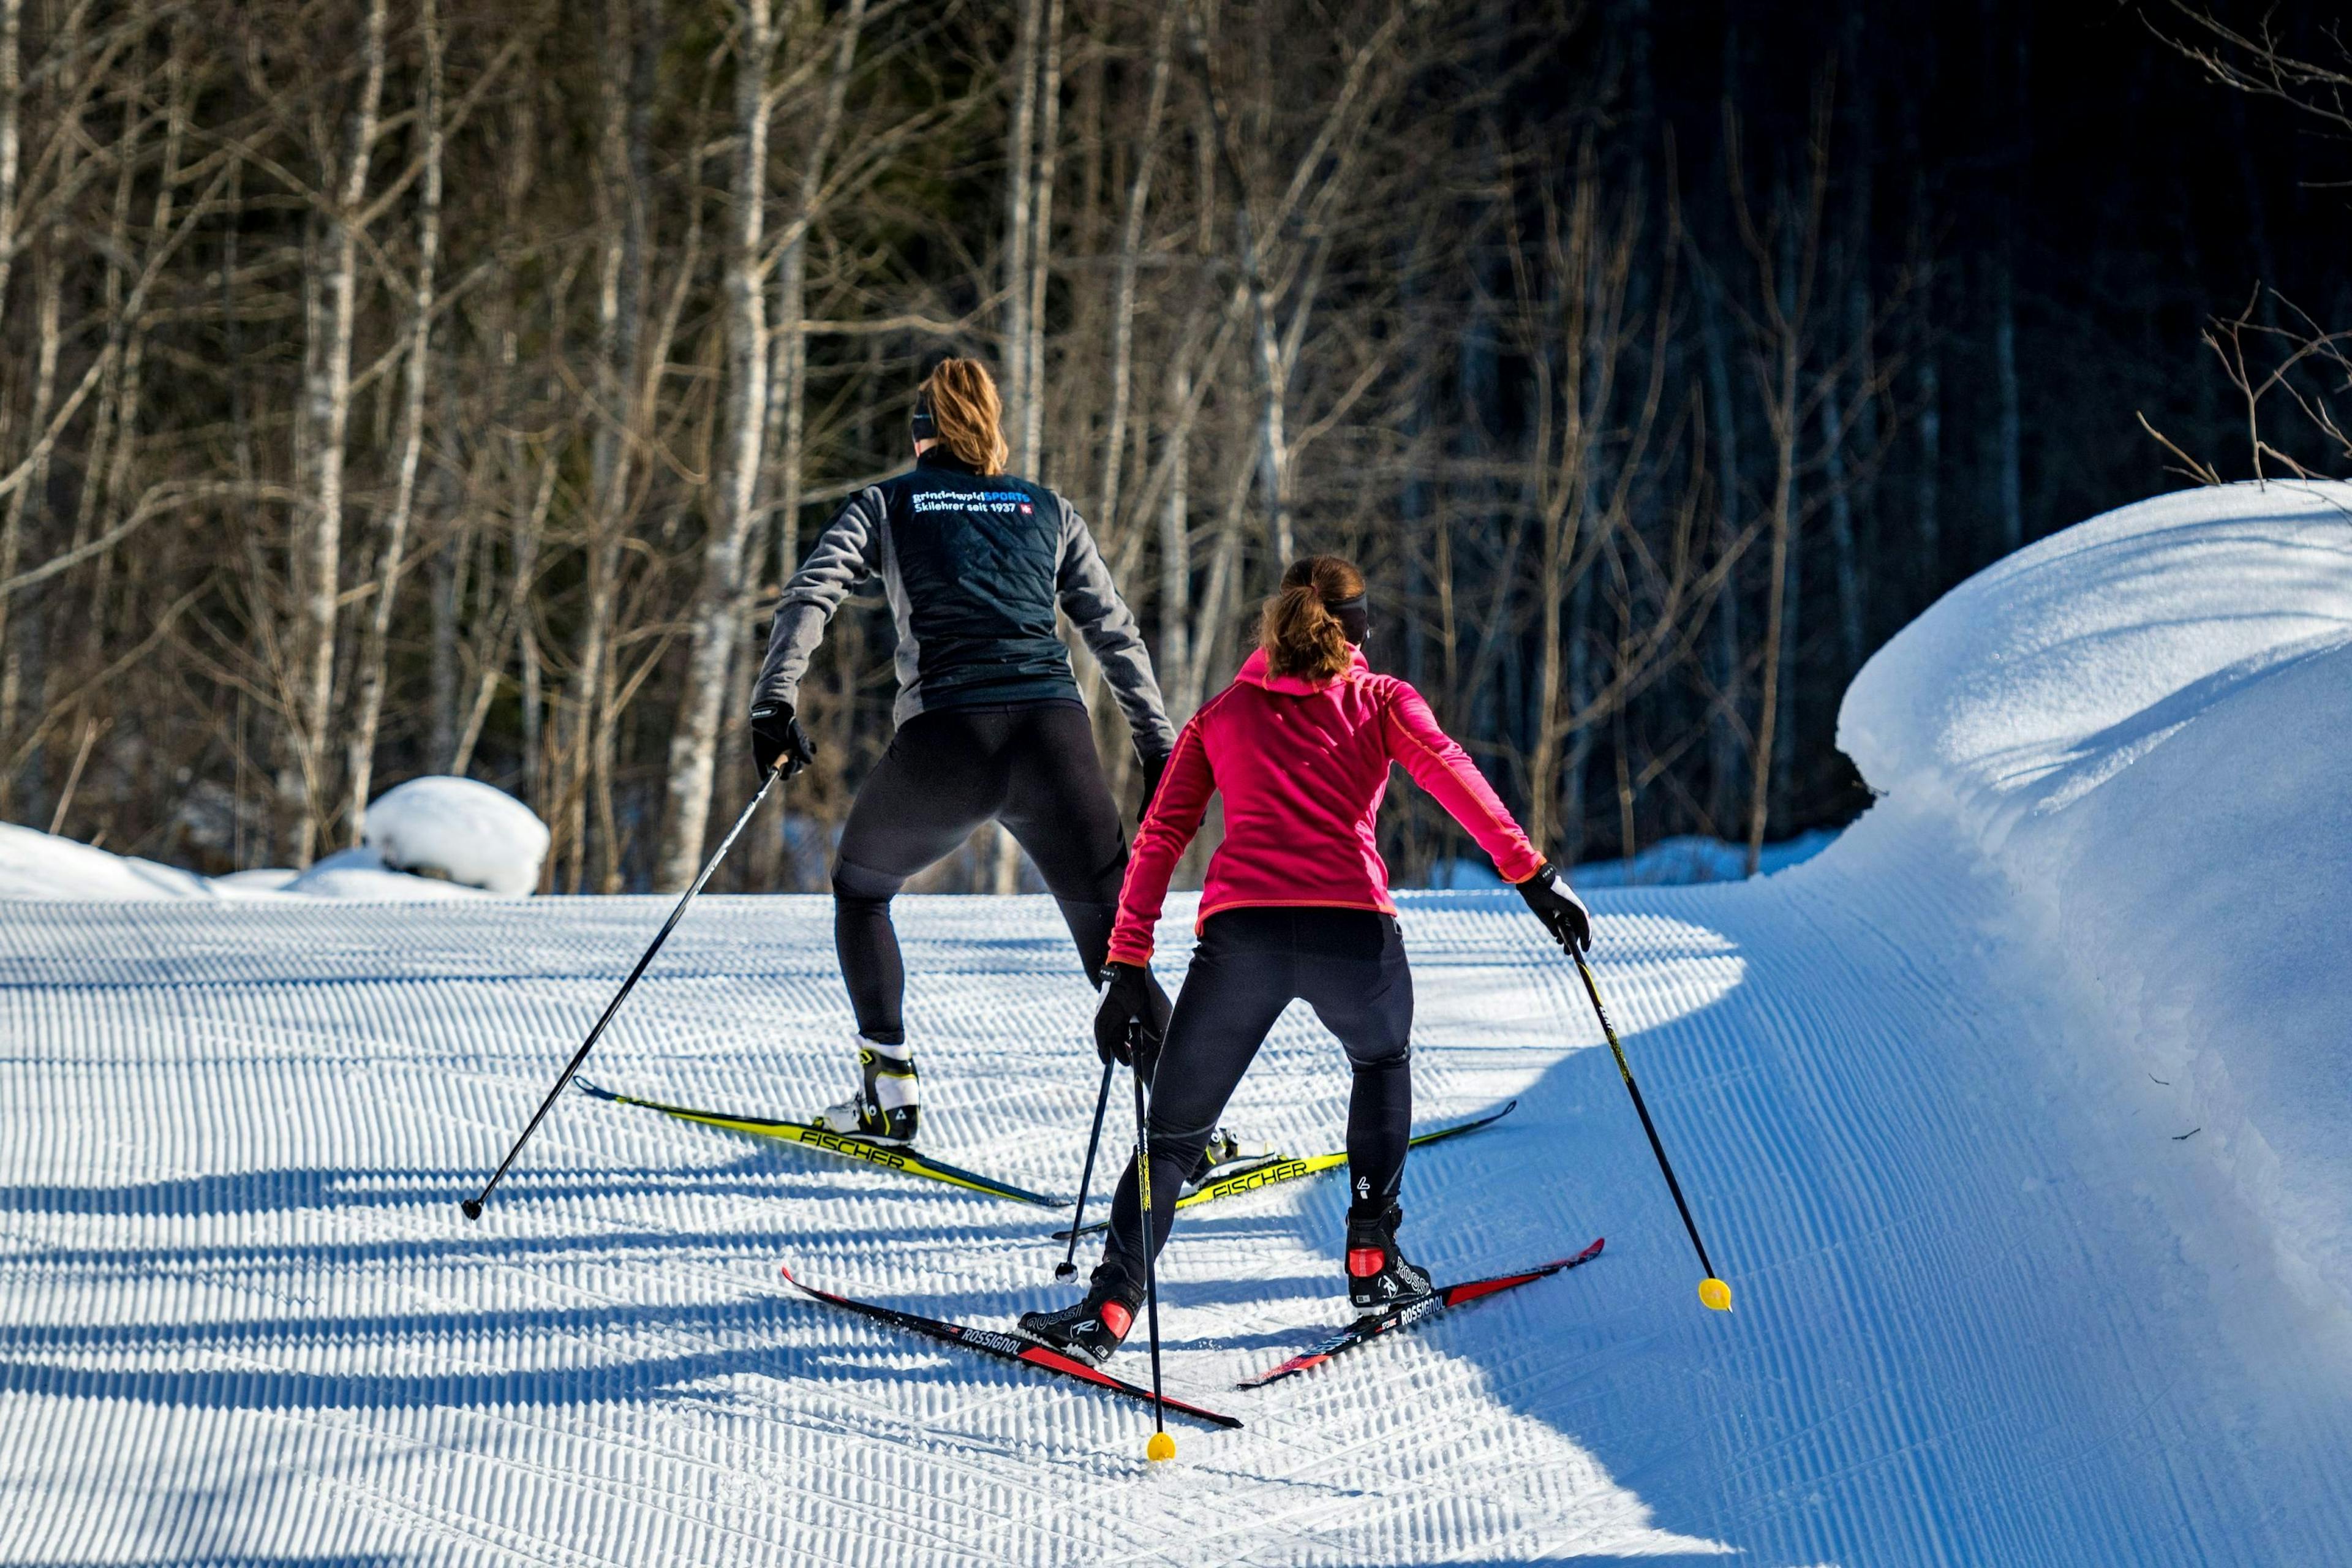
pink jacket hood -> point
(1303, 765)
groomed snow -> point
(1992, 1307)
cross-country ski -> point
(1414, 1313)
(1008, 1347)
(1257, 1174)
(860, 1151)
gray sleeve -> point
(1091, 600)
(845, 554)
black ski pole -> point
(1068, 1265)
(1711, 1290)
(1161, 1447)
(473, 1206)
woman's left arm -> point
(1443, 768)
(1091, 600)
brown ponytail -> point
(960, 398)
(1297, 631)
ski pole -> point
(1713, 1291)
(1068, 1265)
(1161, 1447)
(473, 1206)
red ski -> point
(1007, 1347)
(1374, 1324)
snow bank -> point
(459, 829)
(35, 864)
(2145, 722)
(428, 838)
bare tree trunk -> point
(1040, 258)
(1841, 502)
(372, 655)
(786, 434)
(1122, 309)
(1176, 559)
(716, 621)
(632, 30)
(1019, 142)
(2008, 427)
(327, 416)
(10, 93)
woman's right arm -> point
(844, 555)
(1168, 828)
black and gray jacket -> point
(973, 566)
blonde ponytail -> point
(962, 399)
(1300, 635)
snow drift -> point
(459, 830)
(429, 839)
(2145, 722)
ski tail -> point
(1005, 1347)
(1278, 1168)
(864, 1151)
(1373, 1325)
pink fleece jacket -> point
(1303, 765)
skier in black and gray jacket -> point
(974, 562)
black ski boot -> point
(1378, 1275)
(885, 1109)
(1223, 1149)
(1089, 1331)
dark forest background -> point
(404, 386)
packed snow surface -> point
(1999, 1301)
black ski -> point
(1006, 1347)
(1374, 1324)
(906, 1161)
(1276, 1168)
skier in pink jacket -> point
(1296, 906)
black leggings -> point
(1350, 966)
(1031, 766)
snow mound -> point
(2143, 722)
(35, 864)
(459, 829)
(362, 874)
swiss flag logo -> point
(1026, 509)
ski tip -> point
(1592, 1252)
(590, 1088)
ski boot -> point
(885, 1109)
(1088, 1330)
(1221, 1150)
(1379, 1277)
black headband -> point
(920, 422)
(1355, 616)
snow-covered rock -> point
(36, 865)
(2145, 722)
(459, 829)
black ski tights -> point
(1031, 766)
(1350, 966)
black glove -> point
(1557, 905)
(777, 734)
(1153, 767)
(1133, 1018)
